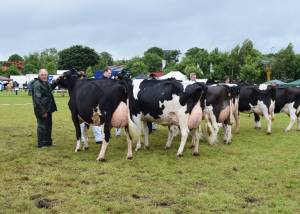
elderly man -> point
(44, 105)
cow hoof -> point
(192, 146)
(147, 147)
(85, 148)
(180, 155)
(167, 147)
(101, 159)
(129, 158)
(196, 154)
(77, 150)
(287, 130)
(269, 133)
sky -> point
(126, 28)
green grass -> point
(257, 173)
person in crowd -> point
(44, 105)
(193, 76)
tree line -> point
(243, 62)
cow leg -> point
(78, 131)
(84, 136)
(212, 126)
(195, 140)
(293, 117)
(269, 120)
(101, 156)
(183, 121)
(257, 121)
(298, 122)
(237, 121)
(138, 123)
(146, 134)
(173, 131)
(227, 133)
(129, 144)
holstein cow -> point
(168, 102)
(218, 110)
(221, 101)
(97, 102)
(259, 100)
(288, 101)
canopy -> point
(174, 74)
(293, 83)
(276, 82)
(4, 78)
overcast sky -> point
(126, 28)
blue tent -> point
(115, 71)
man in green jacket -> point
(44, 105)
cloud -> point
(128, 28)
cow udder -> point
(120, 116)
(195, 117)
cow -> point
(259, 100)
(220, 101)
(168, 102)
(288, 101)
(218, 110)
(97, 102)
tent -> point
(174, 74)
(276, 82)
(293, 83)
(5, 79)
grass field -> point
(257, 173)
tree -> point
(34, 60)
(15, 58)
(89, 72)
(200, 56)
(13, 70)
(193, 69)
(284, 64)
(29, 69)
(155, 50)
(152, 61)
(297, 63)
(136, 66)
(171, 55)
(250, 71)
(77, 57)
(105, 59)
(51, 67)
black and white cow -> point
(288, 101)
(97, 102)
(168, 102)
(218, 110)
(259, 100)
(221, 100)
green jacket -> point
(42, 97)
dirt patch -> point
(164, 203)
(45, 203)
(252, 199)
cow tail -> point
(133, 129)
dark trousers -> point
(44, 130)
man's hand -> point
(45, 115)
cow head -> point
(68, 79)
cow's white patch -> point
(291, 111)
(101, 155)
(136, 87)
(84, 137)
(211, 124)
(263, 87)
(78, 146)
